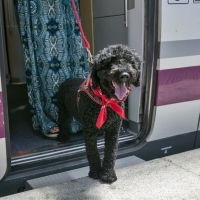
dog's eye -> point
(114, 67)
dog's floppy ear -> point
(131, 56)
(137, 82)
(137, 64)
(95, 78)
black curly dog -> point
(114, 69)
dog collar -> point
(103, 100)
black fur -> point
(108, 66)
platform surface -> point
(173, 177)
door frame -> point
(3, 64)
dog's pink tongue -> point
(120, 90)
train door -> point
(4, 136)
(107, 24)
(29, 147)
(103, 27)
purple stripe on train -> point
(178, 85)
(2, 128)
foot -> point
(53, 133)
(108, 176)
(54, 130)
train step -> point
(75, 174)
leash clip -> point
(90, 58)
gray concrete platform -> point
(173, 177)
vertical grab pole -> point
(9, 16)
(126, 13)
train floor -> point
(23, 138)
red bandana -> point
(112, 103)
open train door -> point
(5, 159)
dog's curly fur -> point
(108, 66)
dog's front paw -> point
(108, 176)
(95, 174)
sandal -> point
(53, 132)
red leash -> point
(86, 44)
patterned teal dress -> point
(53, 52)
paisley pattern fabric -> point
(53, 52)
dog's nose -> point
(124, 76)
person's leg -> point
(53, 52)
